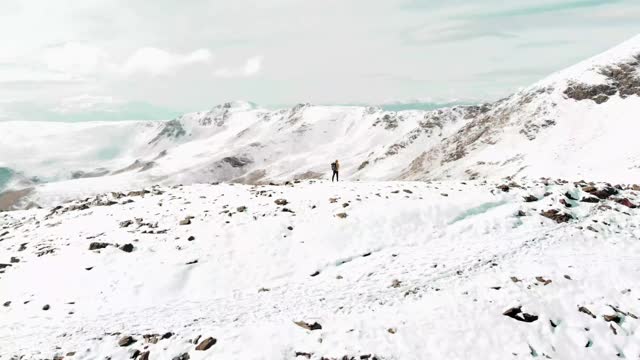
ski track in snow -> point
(406, 275)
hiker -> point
(335, 167)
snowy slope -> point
(579, 123)
(413, 270)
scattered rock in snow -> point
(144, 355)
(7, 303)
(305, 325)
(206, 344)
(504, 188)
(303, 354)
(46, 307)
(281, 202)
(192, 262)
(166, 335)
(191, 238)
(530, 198)
(521, 213)
(515, 279)
(183, 356)
(241, 209)
(568, 277)
(556, 216)
(342, 215)
(127, 248)
(396, 283)
(602, 194)
(517, 314)
(612, 318)
(569, 196)
(186, 221)
(126, 223)
(333, 200)
(408, 191)
(98, 245)
(263, 289)
(543, 280)
(14, 260)
(126, 341)
(150, 338)
(289, 227)
(583, 309)
(565, 203)
(135, 354)
(392, 330)
(626, 202)
(590, 199)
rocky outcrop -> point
(622, 79)
(171, 130)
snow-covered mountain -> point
(491, 254)
(579, 123)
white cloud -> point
(251, 67)
(158, 62)
(23, 74)
(83, 103)
(74, 58)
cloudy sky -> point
(148, 59)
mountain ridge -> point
(563, 126)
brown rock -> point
(556, 216)
(97, 245)
(517, 314)
(583, 309)
(342, 215)
(590, 199)
(530, 198)
(152, 339)
(206, 344)
(626, 202)
(127, 248)
(543, 280)
(144, 355)
(305, 325)
(281, 202)
(612, 318)
(126, 341)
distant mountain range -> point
(580, 123)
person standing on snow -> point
(335, 167)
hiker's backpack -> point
(333, 166)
